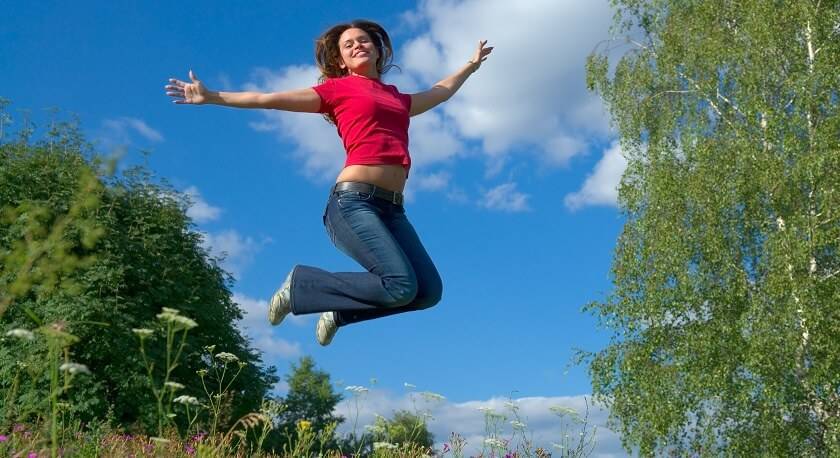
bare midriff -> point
(390, 177)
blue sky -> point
(512, 188)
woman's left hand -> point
(481, 53)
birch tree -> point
(725, 311)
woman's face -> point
(358, 53)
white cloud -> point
(505, 197)
(255, 325)
(200, 211)
(318, 144)
(433, 182)
(432, 140)
(531, 91)
(225, 83)
(601, 186)
(120, 132)
(468, 421)
(426, 182)
(235, 250)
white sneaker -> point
(279, 306)
(326, 329)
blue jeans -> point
(400, 274)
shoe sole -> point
(318, 334)
(275, 311)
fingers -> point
(482, 52)
(178, 89)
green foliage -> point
(80, 247)
(405, 428)
(310, 399)
(727, 273)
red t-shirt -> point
(371, 118)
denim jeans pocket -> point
(347, 198)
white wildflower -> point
(173, 316)
(227, 357)
(185, 322)
(385, 445)
(142, 332)
(174, 386)
(432, 396)
(21, 334)
(781, 223)
(495, 443)
(74, 368)
(518, 424)
(813, 267)
(495, 416)
(376, 429)
(186, 400)
(560, 410)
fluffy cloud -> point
(200, 211)
(235, 250)
(255, 325)
(318, 144)
(120, 132)
(505, 197)
(601, 186)
(468, 418)
(531, 91)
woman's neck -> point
(371, 74)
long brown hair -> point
(328, 54)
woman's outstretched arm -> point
(447, 87)
(195, 93)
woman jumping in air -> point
(364, 216)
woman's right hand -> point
(194, 93)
